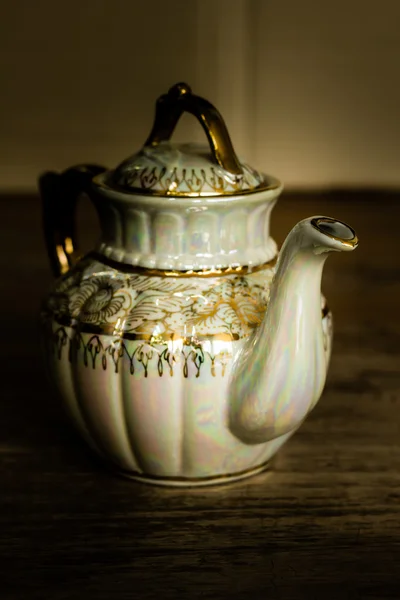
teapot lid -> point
(163, 168)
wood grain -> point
(323, 524)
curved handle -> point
(59, 193)
(169, 109)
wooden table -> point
(324, 524)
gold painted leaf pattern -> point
(99, 300)
(98, 294)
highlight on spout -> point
(336, 230)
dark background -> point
(310, 91)
(310, 95)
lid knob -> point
(164, 168)
(180, 99)
(179, 89)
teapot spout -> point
(280, 374)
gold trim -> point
(352, 242)
(268, 184)
(163, 351)
(169, 109)
(212, 272)
(62, 259)
(158, 338)
(195, 480)
(180, 99)
(98, 351)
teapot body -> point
(142, 360)
(184, 349)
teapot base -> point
(186, 482)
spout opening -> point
(336, 230)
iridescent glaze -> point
(184, 349)
(281, 375)
(183, 169)
(191, 378)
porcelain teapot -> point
(184, 349)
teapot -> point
(185, 349)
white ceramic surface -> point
(185, 233)
(184, 169)
(184, 351)
(190, 379)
